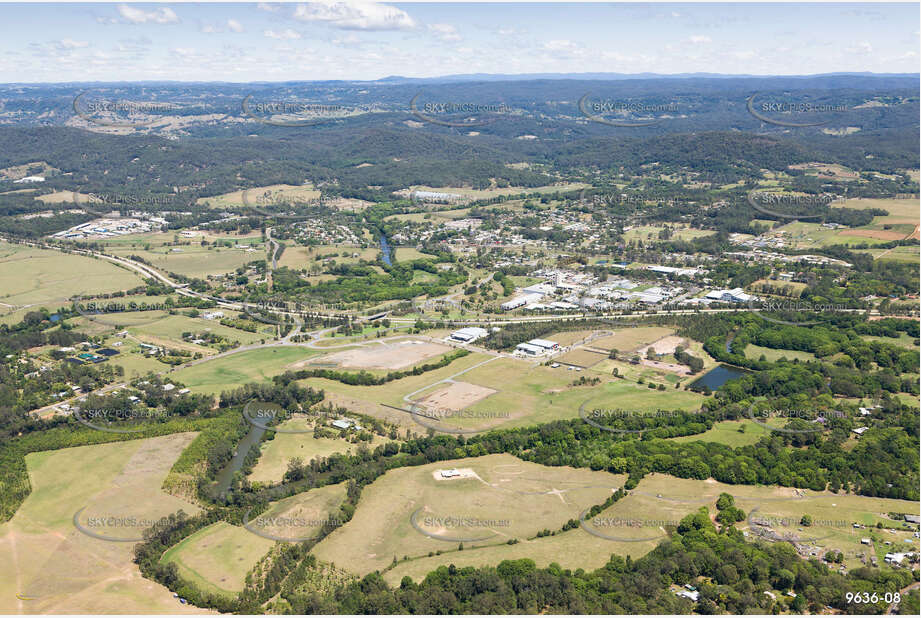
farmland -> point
(503, 489)
(58, 567)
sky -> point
(364, 40)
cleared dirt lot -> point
(665, 345)
(880, 234)
(456, 396)
(630, 339)
(388, 356)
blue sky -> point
(358, 39)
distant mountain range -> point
(505, 77)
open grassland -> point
(475, 194)
(302, 516)
(636, 523)
(727, 432)
(193, 260)
(756, 351)
(524, 394)
(276, 453)
(569, 337)
(630, 339)
(303, 257)
(405, 254)
(903, 340)
(501, 499)
(32, 278)
(171, 327)
(900, 211)
(802, 235)
(907, 253)
(233, 370)
(664, 497)
(262, 197)
(651, 232)
(218, 557)
(58, 568)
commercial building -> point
(468, 335)
(521, 301)
(735, 295)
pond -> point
(718, 376)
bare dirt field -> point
(672, 367)
(456, 396)
(389, 356)
(665, 345)
(879, 234)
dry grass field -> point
(58, 568)
(408, 512)
(638, 522)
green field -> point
(904, 340)
(277, 452)
(907, 253)
(32, 278)
(526, 394)
(193, 260)
(755, 351)
(509, 499)
(229, 372)
(727, 432)
(218, 557)
(62, 570)
(171, 327)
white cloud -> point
(265, 6)
(350, 39)
(284, 35)
(445, 32)
(699, 39)
(863, 47)
(135, 15)
(70, 44)
(234, 26)
(355, 15)
(560, 45)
